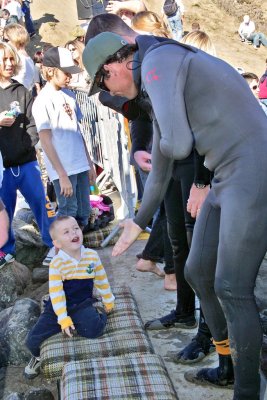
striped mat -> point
(138, 376)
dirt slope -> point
(55, 19)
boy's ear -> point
(57, 243)
(50, 71)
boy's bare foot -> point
(170, 282)
(149, 266)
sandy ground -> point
(56, 19)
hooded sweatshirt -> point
(17, 141)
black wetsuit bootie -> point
(222, 376)
(200, 346)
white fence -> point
(107, 142)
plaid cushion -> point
(139, 376)
(124, 334)
(95, 238)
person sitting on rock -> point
(73, 273)
(247, 33)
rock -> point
(14, 396)
(26, 233)
(4, 350)
(40, 275)
(14, 277)
(261, 285)
(4, 317)
(22, 318)
(38, 394)
(30, 249)
(38, 293)
(26, 215)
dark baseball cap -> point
(97, 51)
(61, 58)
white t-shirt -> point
(49, 113)
(246, 29)
(15, 9)
(26, 73)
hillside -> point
(219, 18)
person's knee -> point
(223, 289)
(32, 344)
(94, 326)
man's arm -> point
(92, 173)
(31, 126)
(49, 149)
(251, 28)
(164, 75)
(240, 30)
(154, 192)
(4, 224)
(135, 6)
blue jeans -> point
(77, 205)
(87, 320)
(258, 38)
(176, 26)
(27, 179)
(27, 17)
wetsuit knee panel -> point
(223, 289)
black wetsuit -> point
(199, 100)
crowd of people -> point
(203, 176)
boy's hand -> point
(108, 311)
(65, 186)
(68, 331)
(6, 120)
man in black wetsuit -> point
(189, 175)
(196, 103)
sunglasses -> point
(100, 81)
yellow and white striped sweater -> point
(77, 273)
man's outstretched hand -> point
(130, 233)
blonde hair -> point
(48, 72)
(7, 48)
(201, 40)
(17, 35)
(149, 21)
(54, 225)
(80, 48)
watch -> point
(200, 185)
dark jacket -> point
(17, 141)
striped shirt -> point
(65, 268)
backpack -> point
(170, 7)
